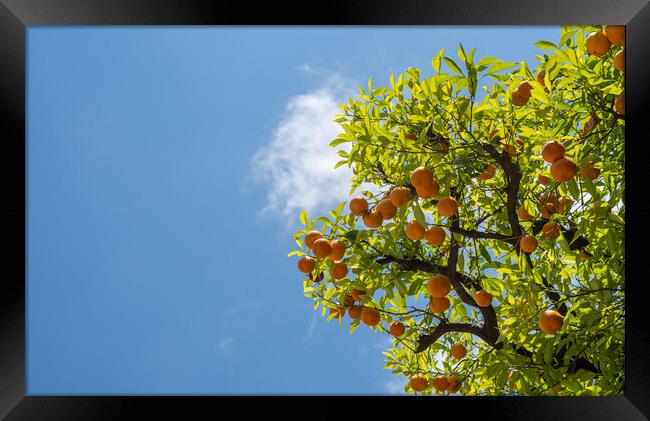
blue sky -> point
(166, 171)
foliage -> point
(464, 120)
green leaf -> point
(351, 235)
(435, 63)
(500, 66)
(303, 217)
(419, 215)
(452, 65)
(296, 253)
(546, 45)
(400, 286)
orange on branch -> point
(454, 384)
(597, 44)
(415, 231)
(518, 99)
(447, 206)
(428, 191)
(619, 61)
(439, 304)
(396, 329)
(359, 206)
(528, 243)
(523, 214)
(421, 177)
(458, 351)
(373, 219)
(338, 312)
(370, 316)
(355, 312)
(553, 151)
(550, 321)
(563, 169)
(386, 209)
(540, 77)
(306, 264)
(418, 383)
(322, 248)
(399, 196)
(483, 298)
(411, 136)
(615, 34)
(435, 236)
(312, 236)
(338, 250)
(441, 383)
(551, 230)
(619, 104)
(339, 270)
(439, 286)
(524, 89)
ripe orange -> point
(421, 177)
(355, 312)
(386, 209)
(357, 293)
(358, 205)
(312, 236)
(619, 104)
(338, 312)
(411, 136)
(588, 170)
(400, 196)
(553, 151)
(435, 236)
(439, 286)
(597, 44)
(524, 89)
(619, 61)
(338, 250)
(415, 231)
(550, 321)
(483, 298)
(564, 169)
(322, 248)
(418, 383)
(551, 230)
(396, 329)
(518, 99)
(543, 180)
(615, 34)
(488, 173)
(439, 304)
(454, 384)
(523, 214)
(339, 270)
(441, 383)
(458, 351)
(306, 264)
(447, 206)
(370, 316)
(373, 219)
(428, 191)
(528, 243)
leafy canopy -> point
(457, 122)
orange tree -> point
(485, 235)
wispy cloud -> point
(312, 327)
(298, 163)
(395, 387)
(227, 346)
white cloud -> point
(312, 327)
(395, 387)
(298, 164)
(226, 346)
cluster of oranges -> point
(322, 249)
(449, 384)
(598, 43)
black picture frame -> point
(17, 15)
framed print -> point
(364, 206)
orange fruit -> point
(357, 293)
(615, 34)
(439, 304)
(564, 169)
(528, 243)
(518, 99)
(488, 173)
(411, 136)
(312, 236)
(540, 77)
(565, 204)
(418, 383)
(386, 209)
(543, 180)
(441, 383)
(322, 248)
(370, 316)
(523, 214)
(551, 230)
(421, 177)
(355, 312)
(338, 312)
(396, 329)
(415, 231)
(428, 191)
(550, 321)
(597, 44)
(306, 264)
(359, 206)
(439, 286)
(589, 171)
(524, 89)
(553, 151)
(454, 384)
(435, 236)
(447, 206)
(400, 196)
(619, 104)
(338, 250)
(458, 351)
(483, 298)
(373, 219)
(339, 270)
(619, 61)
